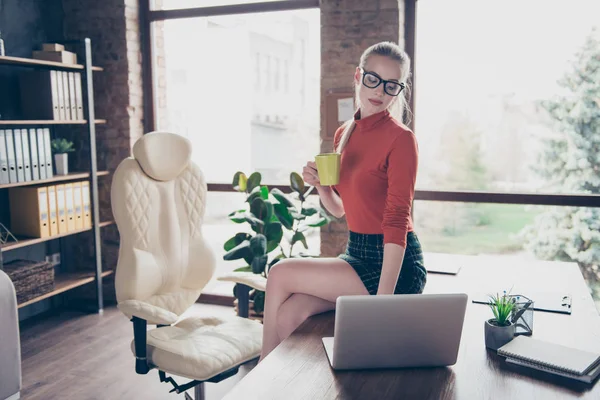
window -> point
(505, 103)
(486, 90)
(232, 124)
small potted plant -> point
(500, 329)
(61, 147)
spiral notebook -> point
(561, 358)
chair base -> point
(199, 393)
(199, 385)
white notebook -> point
(589, 378)
(560, 358)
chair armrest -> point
(151, 313)
(255, 281)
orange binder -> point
(61, 209)
(70, 207)
(52, 210)
(78, 205)
(87, 208)
(29, 211)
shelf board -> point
(50, 122)
(57, 178)
(67, 281)
(33, 63)
(31, 241)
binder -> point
(52, 211)
(29, 211)
(41, 154)
(26, 155)
(10, 151)
(3, 159)
(78, 95)
(61, 209)
(33, 150)
(66, 96)
(48, 151)
(61, 95)
(18, 147)
(87, 207)
(78, 205)
(69, 206)
(72, 97)
(39, 94)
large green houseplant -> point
(269, 213)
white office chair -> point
(158, 200)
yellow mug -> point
(328, 168)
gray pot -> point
(61, 161)
(497, 336)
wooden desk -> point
(299, 369)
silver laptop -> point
(395, 331)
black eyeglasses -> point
(372, 81)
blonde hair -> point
(399, 106)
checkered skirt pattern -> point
(364, 252)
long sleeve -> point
(402, 174)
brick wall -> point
(348, 27)
(113, 27)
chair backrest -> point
(158, 200)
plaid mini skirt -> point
(364, 252)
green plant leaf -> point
(264, 192)
(272, 245)
(258, 207)
(259, 264)
(281, 197)
(239, 251)
(273, 232)
(270, 211)
(296, 215)
(254, 181)
(284, 216)
(243, 269)
(259, 301)
(258, 245)
(61, 146)
(254, 195)
(240, 181)
(238, 216)
(234, 241)
(297, 183)
(320, 222)
(299, 237)
(308, 211)
(253, 221)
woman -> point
(377, 179)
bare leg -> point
(326, 278)
(295, 310)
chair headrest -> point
(162, 155)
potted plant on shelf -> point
(500, 329)
(269, 213)
(61, 147)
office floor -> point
(72, 355)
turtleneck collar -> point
(372, 121)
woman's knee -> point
(279, 273)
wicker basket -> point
(31, 278)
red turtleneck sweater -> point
(377, 177)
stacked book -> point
(25, 155)
(552, 358)
(51, 95)
(46, 211)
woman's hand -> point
(310, 174)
